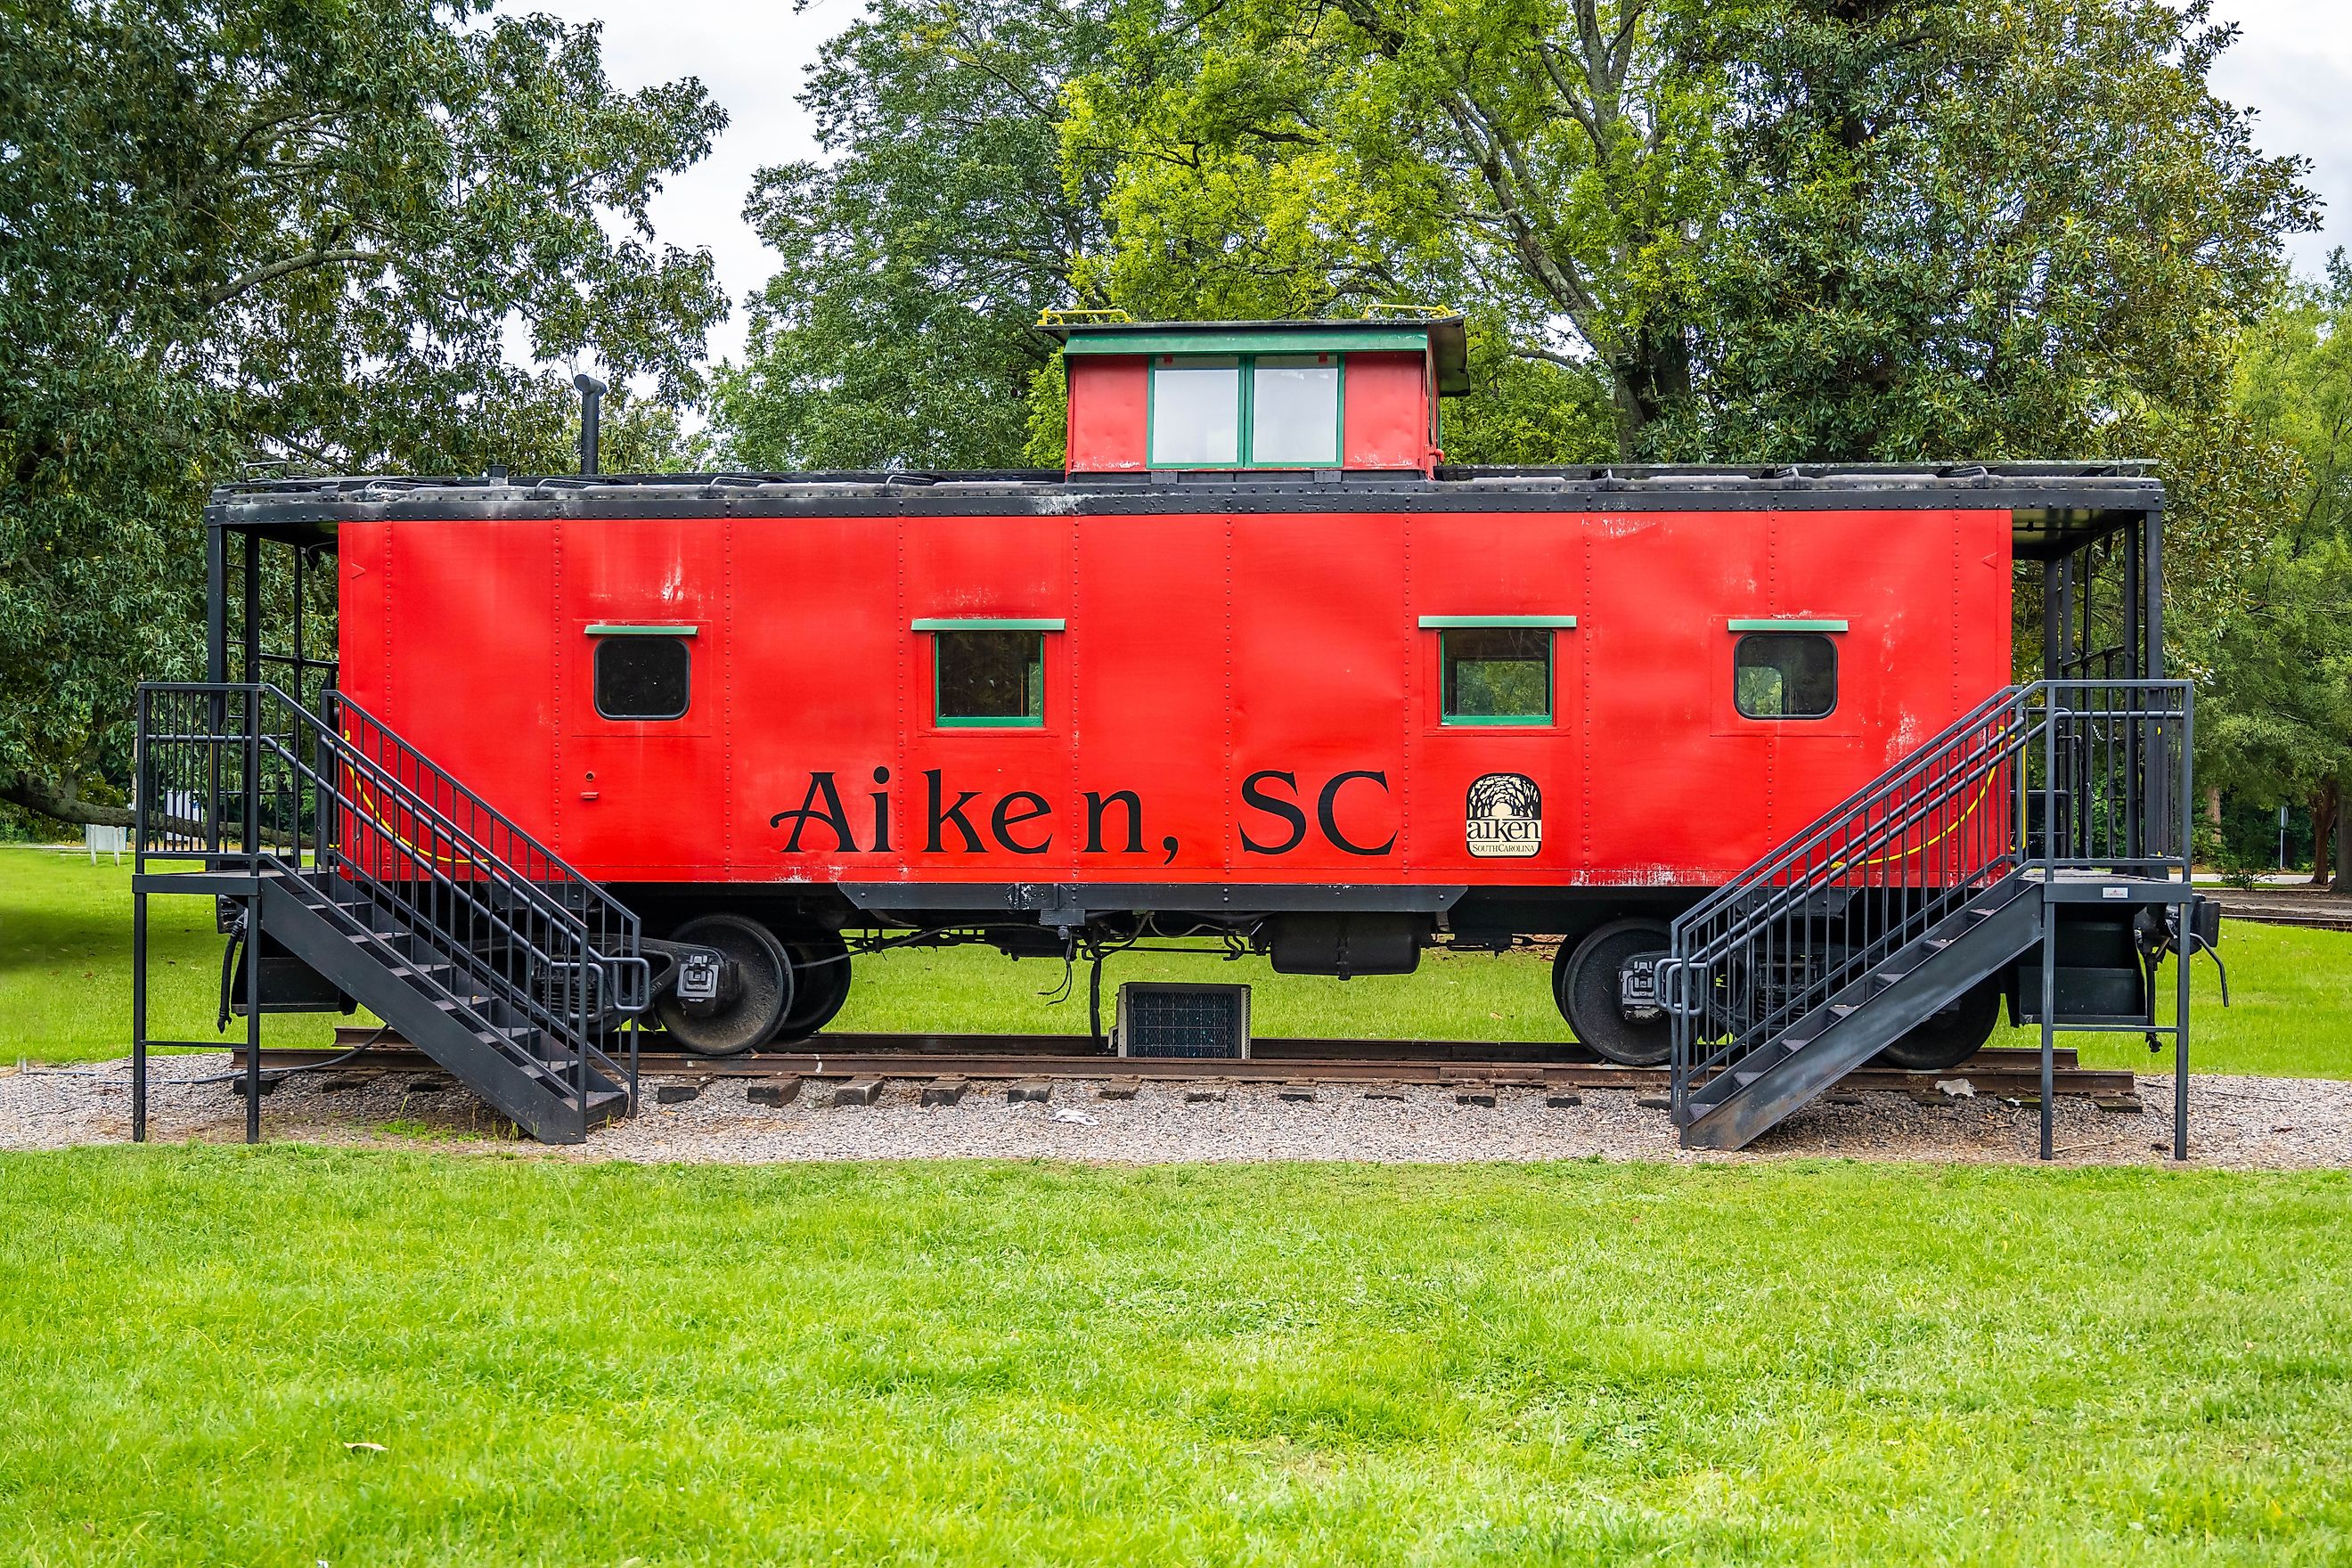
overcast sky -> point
(2293, 62)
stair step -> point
(1841, 1010)
(1891, 976)
(1938, 943)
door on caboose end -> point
(642, 634)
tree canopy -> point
(302, 232)
(914, 262)
(2277, 720)
(1756, 230)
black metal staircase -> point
(1936, 881)
(352, 855)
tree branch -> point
(64, 805)
(260, 275)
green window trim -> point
(1791, 624)
(1355, 340)
(623, 629)
(1545, 720)
(1036, 721)
(1246, 416)
(942, 722)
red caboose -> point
(1258, 663)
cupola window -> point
(1265, 411)
(1196, 412)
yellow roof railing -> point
(1050, 317)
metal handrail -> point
(575, 1031)
(592, 891)
(1883, 867)
(563, 934)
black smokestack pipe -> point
(592, 406)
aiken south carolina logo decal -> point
(1503, 818)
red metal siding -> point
(1387, 416)
(1152, 685)
(448, 636)
(1205, 656)
(819, 686)
(1320, 674)
(967, 796)
(644, 798)
(1490, 564)
(1106, 414)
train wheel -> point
(1587, 983)
(820, 984)
(1951, 1037)
(750, 1007)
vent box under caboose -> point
(1171, 1020)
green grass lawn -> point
(988, 1363)
(64, 993)
(64, 963)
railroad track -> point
(1999, 1072)
(2309, 910)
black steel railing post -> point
(138, 1016)
(252, 1017)
(250, 816)
(2049, 926)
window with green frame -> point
(1267, 411)
(1496, 674)
(988, 674)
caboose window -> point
(1196, 412)
(1269, 411)
(989, 678)
(1785, 675)
(640, 676)
(1295, 411)
(1495, 675)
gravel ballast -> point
(2248, 1122)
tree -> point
(2276, 714)
(1783, 229)
(898, 330)
(296, 231)
(2005, 229)
(1551, 164)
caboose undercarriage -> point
(354, 869)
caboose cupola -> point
(1237, 396)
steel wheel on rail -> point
(1589, 983)
(753, 998)
(820, 984)
(1950, 1036)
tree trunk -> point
(2213, 804)
(1647, 381)
(2323, 832)
(2343, 840)
(64, 805)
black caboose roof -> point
(2057, 507)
